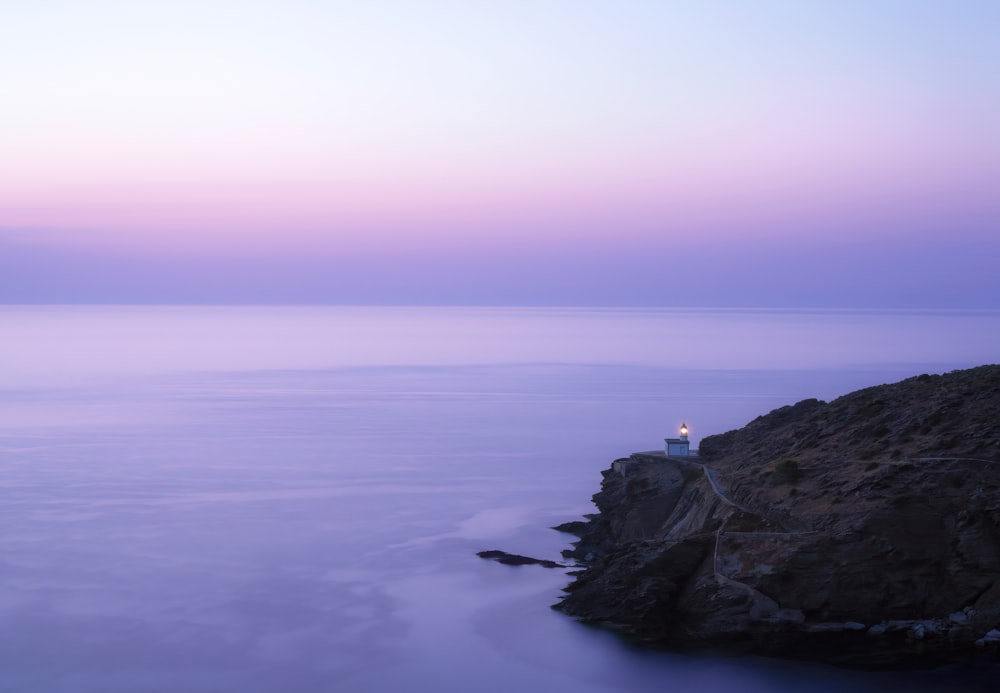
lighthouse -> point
(679, 447)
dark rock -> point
(880, 546)
(574, 527)
(515, 559)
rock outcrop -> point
(864, 531)
(517, 559)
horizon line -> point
(538, 306)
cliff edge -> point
(864, 531)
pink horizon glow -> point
(195, 131)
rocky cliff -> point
(864, 531)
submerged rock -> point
(864, 532)
(516, 559)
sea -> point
(269, 498)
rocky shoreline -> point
(863, 532)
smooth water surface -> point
(290, 499)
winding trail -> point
(953, 459)
(714, 483)
(710, 475)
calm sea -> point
(291, 499)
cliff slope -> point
(864, 531)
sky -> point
(551, 152)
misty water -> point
(291, 499)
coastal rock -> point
(517, 559)
(864, 531)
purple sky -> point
(772, 153)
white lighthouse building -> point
(679, 447)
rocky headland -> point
(864, 531)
